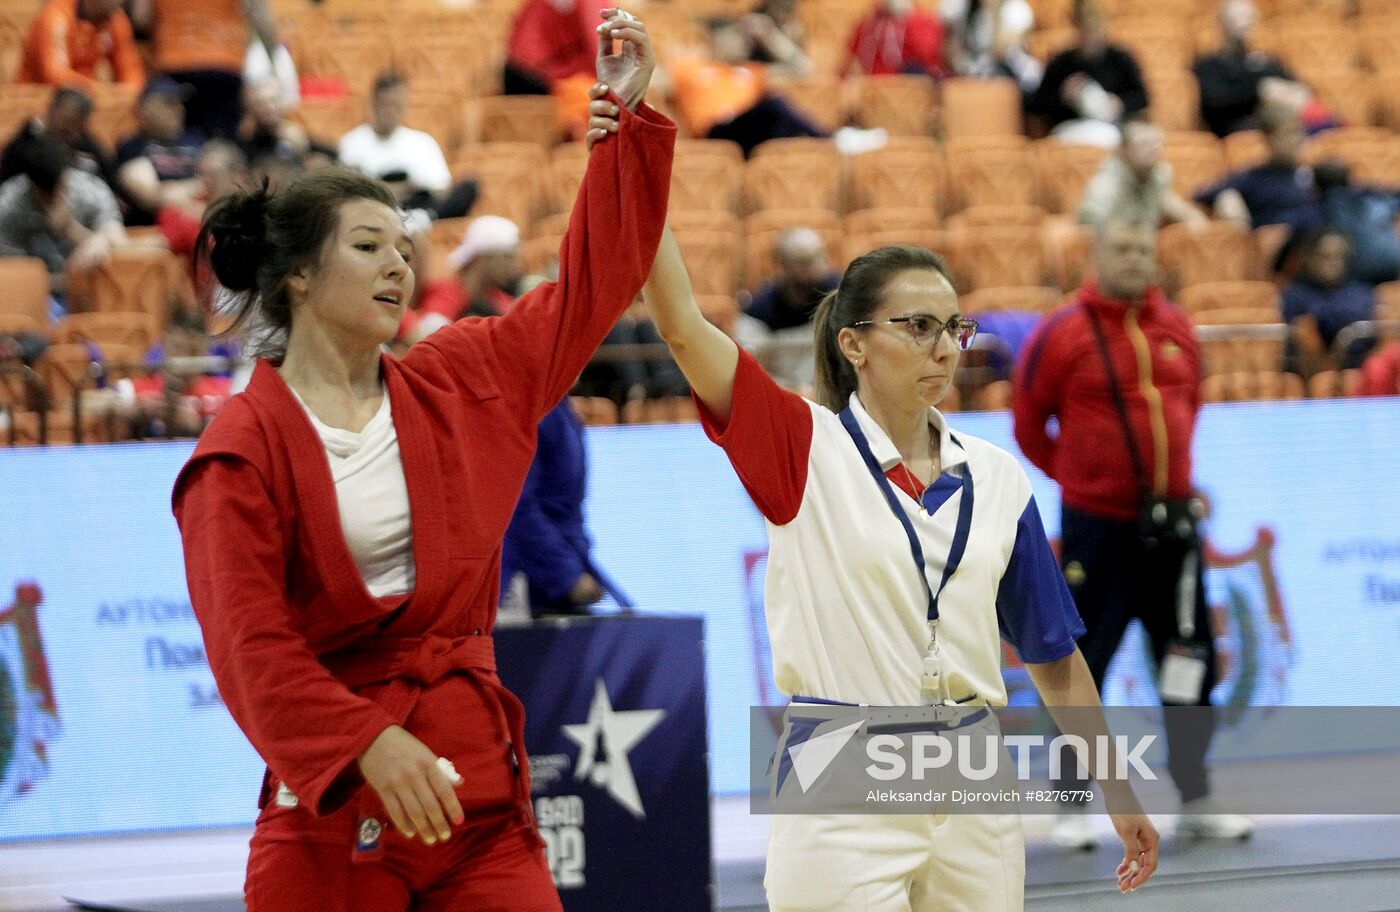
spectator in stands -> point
(1366, 215)
(804, 277)
(159, 166)
(896, 38)
(222, 168)
(68, 38)
(547, 550)
(777, 39)
(265, 132)
(985, 39)
(1092, 86)
(1380, 375)
(551, 40)
(66, 217)
(66, 121)
(633, 378)
(409, 161)
(1135, 185)
(1119, 369)
(1234, 79)
(1280, 191)
(486, 283)
(204, 44)
(725, 96)
(1322, 301)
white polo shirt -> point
(847, 614)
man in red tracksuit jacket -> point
(1115, 570)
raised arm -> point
(706, 356)
(541, 346)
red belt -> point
(409, 664)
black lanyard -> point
(960, 532)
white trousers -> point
(896, 863)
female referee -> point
(853, 488)
(342, 523)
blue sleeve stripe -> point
(1035, 610)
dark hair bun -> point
(236, 227)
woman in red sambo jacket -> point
(342, 523)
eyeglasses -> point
(926, 330)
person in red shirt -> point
(69, 37)
(1119, 369)
(551, 40)
(342, 522)
(1380, 374)
(896, 38)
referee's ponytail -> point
(855, 299)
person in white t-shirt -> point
(409, 161)
(868, 498)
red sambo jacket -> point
(312, 667)
(1157, 363)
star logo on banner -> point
(604, 741)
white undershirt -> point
(373, 499)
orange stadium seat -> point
(998, 255)
(1028, 298)
(1346, 91)
(1215, 251)
(19, 103)
(794, 177)
(1255, 385)
(439, 114)
(13, 323)
(819, 98)
(1051, 14)
(890, 218)
(901, 175)
(540, 255)
(902, 105)
(1196, 159)
(354, 58)
(444, 61)
(1068, 248)
(712, 255)
(1158, 43)
(1307, 40)
(1332, 384)
(1044, 43)
(24, 288)
(992, 215)
(1245, 149)
(1330, 10)
(1064, 172)
(1380, 42)
(1369, 151)
(666, 410)
(979, 107)
(862, 242)
(1207, 297)
(133, 280)
(763, 229)
(328, 119)
(567, 164)
(511, 180)
(135, 330)
(1174, 98)
(1377, 10)
(1234, 350)
(514, 118)
(707, 174)
(990, 171)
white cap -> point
(487, 234)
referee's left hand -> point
(1140, 841)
